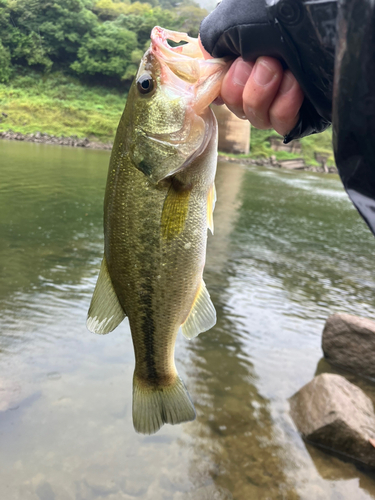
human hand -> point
(263, 93)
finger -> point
(260, 91)
(233, 85)
(284, 111)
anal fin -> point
(202, 316)
(105, 312)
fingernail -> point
(241, 72)
(263, 74)
(286, 84)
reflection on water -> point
(289, 249)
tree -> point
(190, 17)
(143, 24)
(106, 51)
(5, 69)
(109, 10)
(54, 28)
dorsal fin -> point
(202, 316)
(105, 311)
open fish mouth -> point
(185, 66)
(159, 42)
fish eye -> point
(145, 84)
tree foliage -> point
(106, 51)
(5, 69)
(96, 38)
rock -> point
(349, 342)
(273, 160)
(332, 413)
(297, 164)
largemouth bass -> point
(159, 200)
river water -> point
(289, 249)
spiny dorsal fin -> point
(202, 316)
(105, 311)
(211, 200)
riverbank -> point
(60, 110)
(60, 106)
(40, 137)
(74, 141)
(272, 162)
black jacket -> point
(301, 35)
(330, 48)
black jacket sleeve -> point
(300, 34)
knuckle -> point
(258, 120)
(284, 111)
(282, 115)
(253, 101)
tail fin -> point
(155, 406)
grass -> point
(317, 143)
(60, 105)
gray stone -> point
(297, 164)
(332, 413)
(349, 343)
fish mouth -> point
(184, 66)
(159, 43)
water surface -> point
(289, 249)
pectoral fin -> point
(175, 211)
(105, 311)
(202, 316)
(211, 200)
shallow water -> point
(289, 249)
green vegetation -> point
(319, 143)
(99, 40)
(60, 105)
(66, 66)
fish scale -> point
(158, 205)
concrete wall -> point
(234, 133)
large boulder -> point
(334, 414)
(349, 342)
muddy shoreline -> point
(75, 142)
